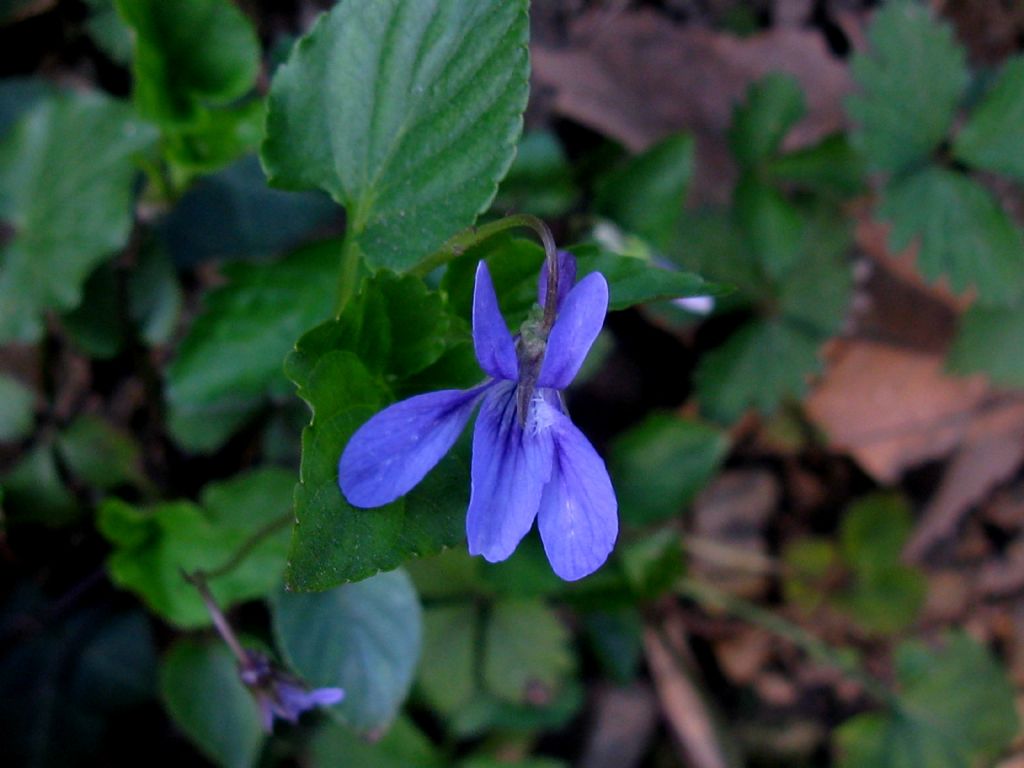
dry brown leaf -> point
(992, 450)
(744, 653)
(624, 720)
(636, 77)
(892, 408)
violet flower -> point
(278, 694)
(529, 459)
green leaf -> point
(186, 57)
(911, 81)
(214, 138)
(447, 672)
(17, 409)
(527, 654)
(529, 762)
(773, 228)
(956, 709)
(989, 341)
(616, 636)
(964, 235)
(200, 687)
(830, 167)
(645, 196)
(334, 542)
(363, 638)
(18, 95)
(96, 326)
(992, 139)
(66, 187)
(772, 106)
(887, 601)
(489, 713)
(99, 454)
(108, 31)
(660, 465)
(406, 113)
(154, 295)
(153, 546)
(540, 180)
(35, 492)
(231, 361)
(873, 532)
(402, 746)
(808, 562)
(758, 366)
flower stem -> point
(347, 274)
(198, 580)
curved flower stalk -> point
(529, 459)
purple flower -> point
(529, 459)
(278, 694)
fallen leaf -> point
(624, 720)
(619, 74)
(892, 408)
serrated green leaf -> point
(773, 227)
(66, 175)
(772, 106)
(17, 407)
(830, 167)
(956, 709)
(645, 195)
(200, 687)
(231, 361)
(406, 113)
(540, 180)
(964, 235)
(334, 542)
(447, 673)
(758, 366)
(989, 340)
(99, 454)
(992, 139)
(911, 81)
(363, 638)
(660, 465)
(527, 654)
(401, 747)
(186, 57)
(153, 546)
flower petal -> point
(576, 327)
(510, 467)
(578, 512)
(566, 278)
(395, 449)
(495, 350)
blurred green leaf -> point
(955, 709)
(363, 638)
(406, 113)
(528, 762)
(616, 636)
(189, 56)
(660, 465)
(645, 195)
(214, 139)
(527, 654)
(771, 107)
(234, 215)
(447, 672)
(66, 187)
(17, 409)
(873, 532)
(885, 601)
(34, 491)
(991, 139)
(96, 326)
(18, 95)
(201, 689)
(964, 235)
(486, 713)
(108, 31)
(153, 546)
(989, 340)
(401, 747)
(154, 295)
(808, 561)
(230, 362)
(773, 228)
(830, 167)
(99, 454)
(911, 82)
(540, 179)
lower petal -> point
(394, 450)
(578, 517)
(510, 468)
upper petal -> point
(395, 449)
(578, 512)
(566, 278)
(495, 350)
(575, 329)
(510, 467)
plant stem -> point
(247, 547)
(198, 580)
(348, 273)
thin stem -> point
(248, 546)
(813, 646)
(198, 580)
(347, 274)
